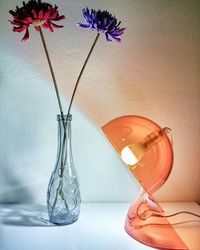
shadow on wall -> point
(23, 143)
(12, 189)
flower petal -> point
(107, 38)
(102, 22)
(41, 14)
(33, 12)
(19, 29)
(36, 28)
(15, 22)
(12, 12)
(38, 12)
(56, 26)
(49, 25)
(59, 18)
(83, 25)
(26, 36)
(44, 25)
(46, 15)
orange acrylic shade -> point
(145, 220)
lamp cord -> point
(181, 212)
(167, 216)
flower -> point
(39, 15)
(102, 22)
(35, 13)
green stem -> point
(52, 72)
(81, 72)
(54, 80)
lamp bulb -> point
(132, 154)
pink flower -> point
(35, 13)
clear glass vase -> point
(63, 196)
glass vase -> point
(63, 196)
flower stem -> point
(81, 72)
(59, 189)
(52, 72)
(54, 81)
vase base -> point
(63, 219)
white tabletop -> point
(100, 227)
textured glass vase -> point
(63, 196)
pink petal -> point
(44, 25)
(40, 15)
(36, 28)
(34, 13)
(57, 26)
(49, 23)
(59, 18)
(46, 15)
(28, 20)
(16, 18)
(54, 14)
(19, 29)
(15, 22)
(26, 36)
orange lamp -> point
(146, 148)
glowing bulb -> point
(132, 154)
(128, 157)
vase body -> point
(63, 195)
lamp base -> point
(145, 222)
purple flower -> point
(102, 22)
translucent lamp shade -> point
(155, 164)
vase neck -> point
(64, 152)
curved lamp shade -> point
(145, 147)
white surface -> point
(187, 226)
(154, 72)
(100, 227)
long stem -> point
(81, 72)
(61, 112)
(52, 72)
(54, 80)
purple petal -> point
(107, 38)
(102, 22)
(83, 25)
